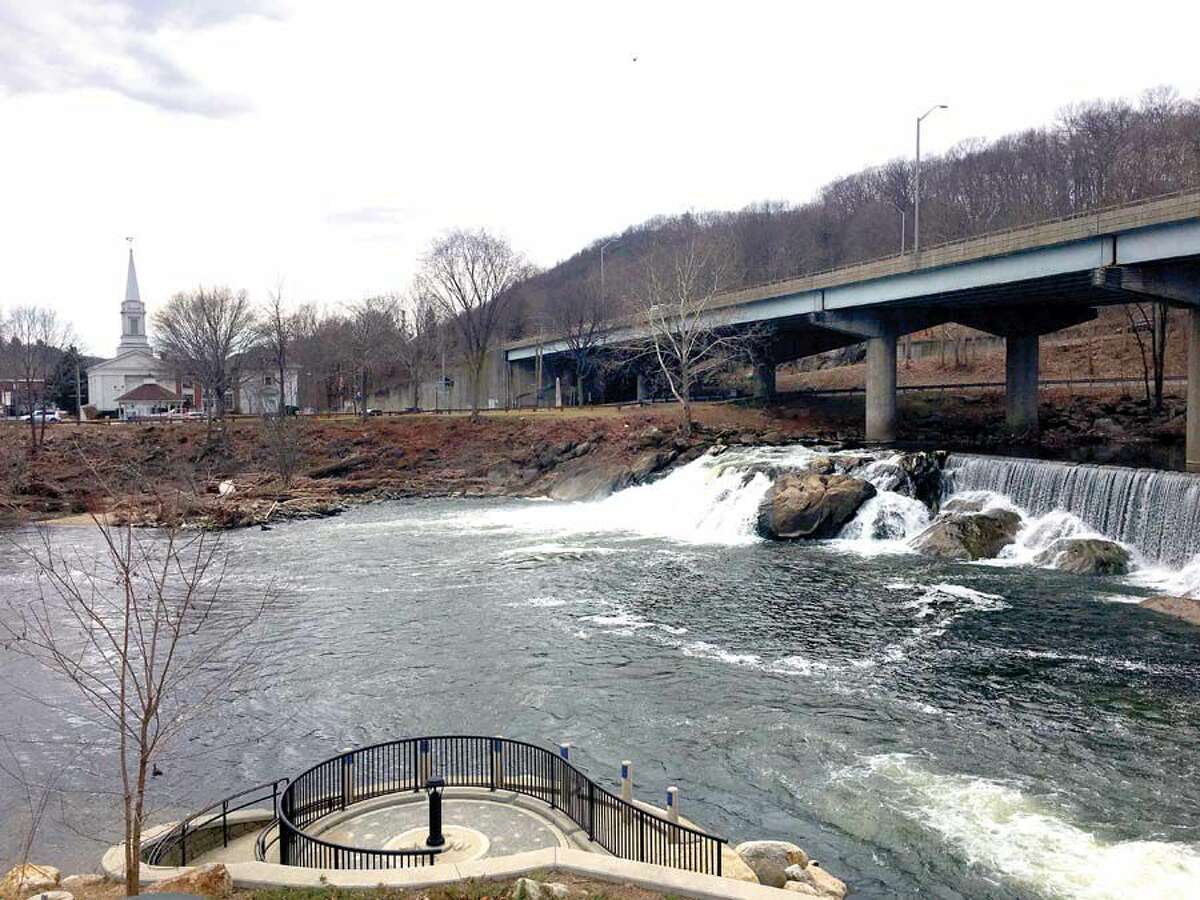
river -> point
(922, 728)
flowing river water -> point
(923, 728)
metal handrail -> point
(624, 829)
(178, 836)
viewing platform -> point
(429, 810)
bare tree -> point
(686, 334)
(145, 634)
(277, 330)
(417, 338)
(1152, 319)
(581, 321)
(37, 338)
(373, 337)
(470, 276)
(204, 332)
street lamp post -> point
(917, 189)
(602, 249)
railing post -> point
(564, 751)
(183, 843)
(225, 823)
(641, 838)
(498, 762)
(423, 763)
(347, 777)
(591, 810)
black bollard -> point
(435, 787)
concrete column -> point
(642, 393)
(1021, 381)
(1193, 392)
(881, 388)
(764, 380)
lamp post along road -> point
(917, 185)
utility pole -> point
(917, 190)
(78, 394)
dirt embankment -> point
(150, 474)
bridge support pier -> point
(1021, 381)
(881, 388)
(1193, 391)
(764, 380)
(643, 393)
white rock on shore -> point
(211, 880)
(52, 895)
(29, 877)
(816, 878)
(769, 860)
(73, 882)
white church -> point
(136, 384)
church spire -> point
(131, 285)
(133, 313)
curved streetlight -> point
(606, 244)
(917, 190)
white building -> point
(135, 363)
(136, 383)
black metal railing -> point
(177, 839)
(624, 829)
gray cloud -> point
(61, 45)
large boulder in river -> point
(811, 506)
(1085, 556)
(924, 471)
(585, 478)
(769, 860)
(967, 536)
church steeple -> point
(133, 313)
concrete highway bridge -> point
(1018, 284)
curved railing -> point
(177, 839)
(622, 828)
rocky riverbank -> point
(181, 474)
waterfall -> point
(1156, 512)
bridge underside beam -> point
(1174, 283)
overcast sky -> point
(326, 143)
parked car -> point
(39, 415)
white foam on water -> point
(708, 501)
(627, 621)
(539, 603)
(1024, 840)
(1183, 582)
(552, 549)
(955, 597)
(883, 525)
(1039, 533)
(705, 650)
